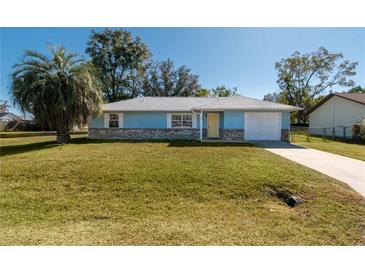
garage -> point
(262, 125)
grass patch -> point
(167, 193)
(344, 148)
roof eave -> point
(205, 109)
(147, 110)
(291, 109)
(324, 100)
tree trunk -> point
(63, 137)
(299, 116)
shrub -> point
(362, 127)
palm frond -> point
(60, 90)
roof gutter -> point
(249, 109)
(291, 109)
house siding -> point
(136, 119)
(153, 125)
(336, 113)
(233, 119)
(145, 120)
(285, 120)
(227, 120)
(97, 121)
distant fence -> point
(18, 134)
(339, 132)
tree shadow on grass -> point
(208, 144)
(17, 149)
(171, 143)
(24, 148)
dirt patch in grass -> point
(287, 197)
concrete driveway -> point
(345, 169)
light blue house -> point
(234, 118)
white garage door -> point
(262, 125)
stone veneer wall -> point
(227, 134)
(232, 134)
(144, 133)
(162, 134)
(285, 135)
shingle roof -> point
(157, 104)
(244, 103)
(355, 97)
(196, 103)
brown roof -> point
(355, 97)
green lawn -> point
(349, 149)
(160, 193)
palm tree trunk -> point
(63, 137)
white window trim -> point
(195, 120)
(121, 120)
(169, 121)
(106, 120)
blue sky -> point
(235, 57)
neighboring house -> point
(8, 118)
(335, 114)
(234, 118)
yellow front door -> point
(213, 125)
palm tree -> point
(61, 91)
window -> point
(113, 120)
(182, 121)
